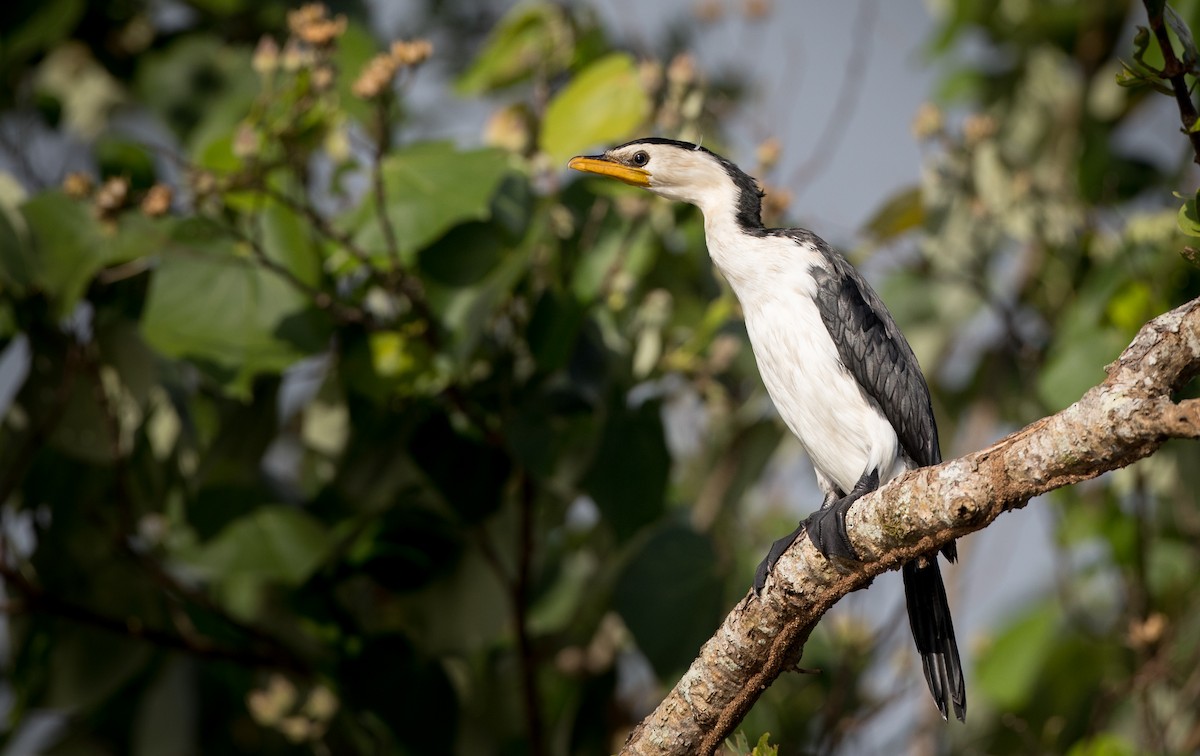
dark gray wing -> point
(874, 351)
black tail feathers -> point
(933, 631)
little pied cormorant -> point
(838, 369)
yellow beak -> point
(602, 167)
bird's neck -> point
(760, 265)
(732, 241)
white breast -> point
(843, 431)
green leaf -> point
(1086, 339)
(67, 247)
(901, 212)
(354, 49)
(200, 86)
(210, 303)
(287, 239)
(763, 747)
(36, 28)
(165, 721)
(1008, 670)
(669, 596)
(407, 718)
(628, 476)
(627, 249)
(428, 188)
(125, 158)
(1189, 217)
(87, 667)
(1132, 77)
(606, 102)
(1141, 43)
(443, 454)
(18, 265)
(1103, 744)
(554, 328)
(464, 256)
(272, 543)
(1183, 33)
(531, 37)
(1075, 365)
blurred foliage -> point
(331, 438)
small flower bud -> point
(157, 201)
(266, 57)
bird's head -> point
(680, 171)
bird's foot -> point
(768, 564)
(826, 529)
(827, 526)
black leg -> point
(777, 549)
(827, 526)
(826, 529)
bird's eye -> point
(640, 158)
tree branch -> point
(1125, 418)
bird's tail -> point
(933, 631)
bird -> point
(840, 373)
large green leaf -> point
(271, 543)
(1104, 744)
(66, 246)
(899, 213)
(199, 86)
(531, 37)
(355, 48)
(1091, 332)
(443, 454)
(87, 667)
(210, 303)
(1009, 668)
(428, 188)
(603, 104)
(17, 265)
(628, 477)
(669, 596)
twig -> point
(517, 587)
(342, 312)
(1174, 72)
(382, 144)
(35, 600)
(520, 597)
(321, 225)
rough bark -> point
(1122, 420)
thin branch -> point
(1127, 417)
(382, 145)
(342, 312)
(36, 601)
(520, 597)
(321, 225)
(1174, 71)
(517, 586)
